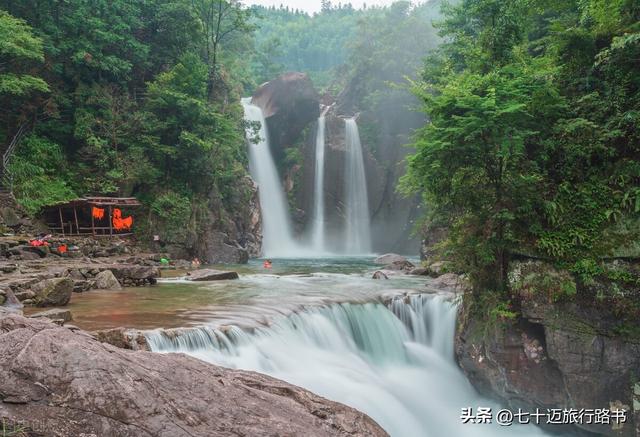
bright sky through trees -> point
(314, 5)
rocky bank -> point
(558, 352)
(59, 382)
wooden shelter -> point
(97, 216)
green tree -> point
(19, 49)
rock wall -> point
(556, 354)
(234, 234)
(289, 104)
(59, 382)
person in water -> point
(267, 264)
(195, 263)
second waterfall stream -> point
(394, 362)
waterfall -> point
(277, 235)
(317, 232)
(358, 222)
(395, 362)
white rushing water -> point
(318, 225)
(393, 362)
(358, 222)
(276, 223)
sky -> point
(314, 5)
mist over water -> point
(393, 362)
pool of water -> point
(255, 298)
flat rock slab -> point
(74, 385)
(55, 314)
(211, 275)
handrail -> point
(6, 178)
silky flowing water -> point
(384, 347)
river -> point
(384, 347)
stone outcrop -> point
(123, 338)
(289, 104)
(59, 316)
(106, 280)
(559, 353)
(379, 275)
(53, 292)
(230, 234)
(389, 258)
(68, 384)
(211, 275)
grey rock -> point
(105, 280)
(211, 275)
(389, 258)
(53, 292)
(56, 314)
(80, 386)
(379, 275)
(419, 271)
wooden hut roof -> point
(95, 200)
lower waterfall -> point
(394, 362)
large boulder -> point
(53, 292)
(289, 104)
(77, 385)
(105, 280)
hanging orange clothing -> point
(120, 223)
(97, 213)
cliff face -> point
(555, 354)
(289, 104)
(234, 234)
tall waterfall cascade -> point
(277, 231)
(318, 224)
(393, 362)
(358, 223)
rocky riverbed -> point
(43, 276)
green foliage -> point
(531, 148)
(172, 214)
(19, 48)
(290, 40)
(142, 101)
(41, 176)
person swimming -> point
(267, 264)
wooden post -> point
(61, 221)
(110, 222)
(75, 216)
(93, 226)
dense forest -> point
(143, 98)
(532, 147)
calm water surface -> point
(255, 298)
